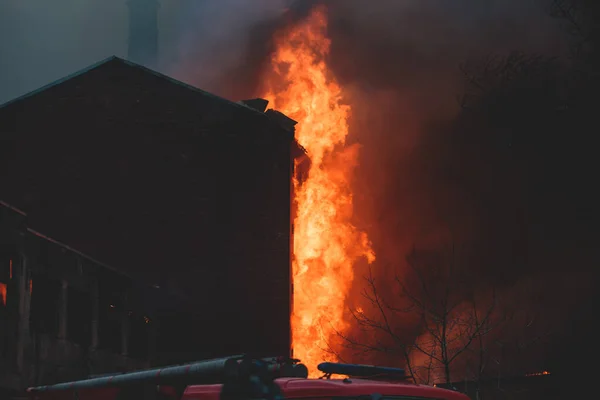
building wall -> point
(51, 319)
(125, 158)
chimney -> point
(143, 32)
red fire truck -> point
(244, 378)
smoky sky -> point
(396, 60)
(44, 41)
(211, 43)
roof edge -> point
(190, 87)
(12, 208)
(238, 105)
(58, 81)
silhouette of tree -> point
(453, 315)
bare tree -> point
(504, 89)
(451, 316)
(384, 337)
(454, 316)
(581, 19)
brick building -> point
(64, 315)
(159, 178)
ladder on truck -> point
(242, 378)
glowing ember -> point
(3, 293)
(326, 244)
(541, 373)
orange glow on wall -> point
(3, 293)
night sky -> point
(513, 168)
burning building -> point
(150, 159)
(123, 156)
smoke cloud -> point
(222, 44)
(426, 178)
(399, 61)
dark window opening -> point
(44, 305)
(43, 250)
(5, 269)
(139, 335)
(110, 316)
(79, 316)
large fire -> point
(326, 243)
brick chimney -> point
(143, 32)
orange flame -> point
(326, 244)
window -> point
(44, 305)
(6, 266)
(79, 316)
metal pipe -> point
(209, 371)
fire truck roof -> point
(243, 377)
(295, 388)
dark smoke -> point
(221, 45)
(513, 186)
(509, 182)
(432, 172)
(398, 62)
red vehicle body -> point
(248, 379)
(330, 389)
(292, 388)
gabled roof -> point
(57, 82)
(115, 59)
